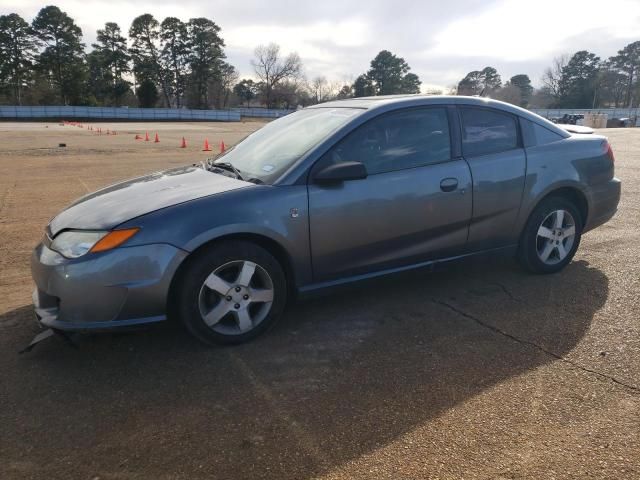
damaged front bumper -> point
(124, 287)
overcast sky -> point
(441, 40)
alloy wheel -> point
(236, 297)
(555, 237)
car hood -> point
(113, 205)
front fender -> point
(265, 211)
(237, 229)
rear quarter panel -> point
(578, 162)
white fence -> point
(262, 112)
(233, 115)
(117, 113)
(632, 113)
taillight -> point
(610, 154)
(609, 151)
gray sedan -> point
(331, 194)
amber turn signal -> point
(114, 239)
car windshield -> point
(267, 153)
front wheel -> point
(231, 293)
(551, 236)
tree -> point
(577, 86)
(510, 94)
(17, 53)
(522, 82)
(111, 51)
(363, 87)
(246, 90)
(320, 89)
(490, 80)
(145, 52)
(541, 98)
(470, 84)
(147, 93)
(61, 61)
(174, 56)
(290, 93)
(483, 82)
(552, 75)
(272, 69)
(205, 58)
(221, 86)
(345, 92)
(99, 81)
(411, 83)
(390, 75)
(628, 64)
(613, 84)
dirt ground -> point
(478, 371)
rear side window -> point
(487, 131)
(396, 141)
(534, 134)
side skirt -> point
(316, 288)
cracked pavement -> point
(478, 370)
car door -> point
(414, 205)
(492, 146)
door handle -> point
(448, 184)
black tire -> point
(529, 241)
(188, 294)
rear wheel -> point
(551, 236)
(231, 293)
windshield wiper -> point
(228, 167)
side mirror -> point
(341, 172)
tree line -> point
(581, 80)
(281, 82)
(174, 63)
(168, 63)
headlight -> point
(75, 243)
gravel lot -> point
(479, 371)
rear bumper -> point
(604, 203)
(120, 288)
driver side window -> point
(397, 141)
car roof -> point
(417, 99)
(390, 102)
(367, 102)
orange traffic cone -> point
(138, 137)
(206, 146)
(184, 143)
(146, 136)
(222, 147)
(157, 140)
